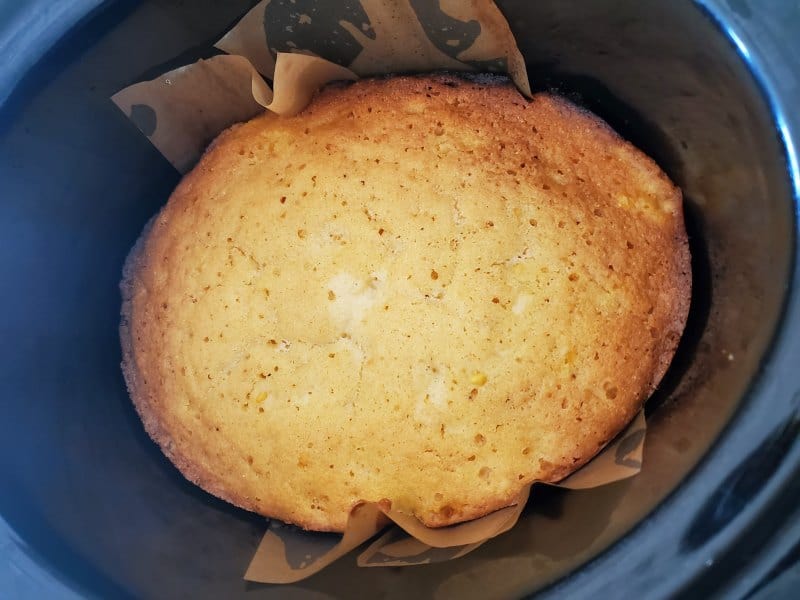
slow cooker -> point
(90, 508)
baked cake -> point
(425, 290)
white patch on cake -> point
(354, 297)
(521, 303)
(432, 401)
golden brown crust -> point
(423, 289)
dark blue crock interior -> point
(89, 503)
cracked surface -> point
(426, 290)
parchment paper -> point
(288, 554)
(300, 46)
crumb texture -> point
(422, 289)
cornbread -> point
(424, 290)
